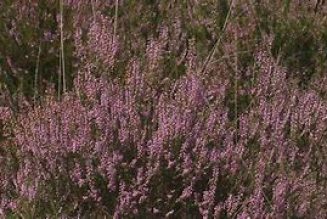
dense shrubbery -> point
(175, 112)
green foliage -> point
(298, 46)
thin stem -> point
(116, 19)
(94, 21)
(236, 87)
(36, 75)
(93, 10)
(218, 42)
(59, 76)
(216, 46)
(62, 47)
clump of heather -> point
(133, 147)
(149, 140)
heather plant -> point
(152, 126)
(123, 149)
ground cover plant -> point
(163, 109)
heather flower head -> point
(5, 113)
(102, 43)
